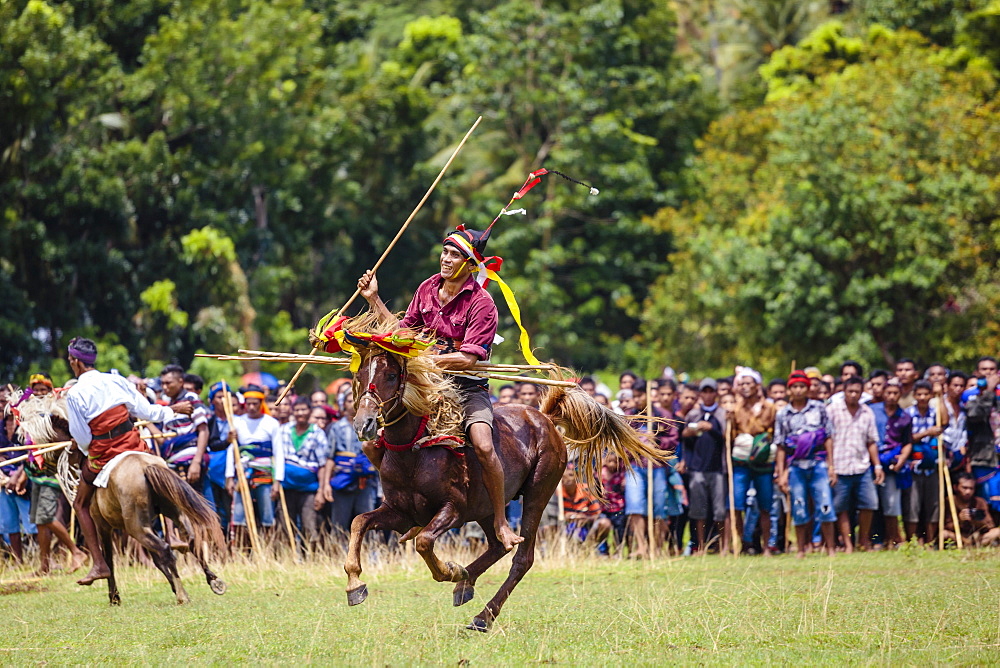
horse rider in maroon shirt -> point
(462, 315)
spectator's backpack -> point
(804, 444)
(753, 451)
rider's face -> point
(453, 262)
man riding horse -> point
(99, 408)
(455, 307)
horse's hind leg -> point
(465, 589)
(199, 548)
(164, 560)
(535, 501)
(441, 571)
(382, 517)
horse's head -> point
(378, 392)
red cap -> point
(798, 376)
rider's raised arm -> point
(368, 288)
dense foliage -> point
(215, 174)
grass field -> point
(909, 607)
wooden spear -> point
(733, 538)
(945, 486)
(650, 529)
(249, 513)
(288, 520)
(332, 315)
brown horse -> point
(428, 491)
(140, 488)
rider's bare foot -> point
(94, 575)
(79, 557)
(508, 537)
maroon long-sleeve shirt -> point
(468, 323)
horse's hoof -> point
(116, 600)
(218, 586)
(463, 594)
(478, 624)
(357, 596)
(458, 573)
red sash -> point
(102, 452)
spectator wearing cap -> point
(921, 505)
(753, 466)
(895, 430)
(855, 452)
(802, 434)
(218, 445)
(703, 452)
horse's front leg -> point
(382, 517)
(442, 571)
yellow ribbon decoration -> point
(515, 311)
(411, 346)
(508, 294)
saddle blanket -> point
(105, 474)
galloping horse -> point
(429, 490)
(140, 487)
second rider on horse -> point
(461, 314)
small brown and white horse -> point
(429, 490)
(140, 488)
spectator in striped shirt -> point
(921, 500)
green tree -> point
(853, 215)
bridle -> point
(397, 398)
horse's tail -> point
(592, 430)
(168, 488)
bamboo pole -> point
(733, 538)
(941, 479)
(306, 359)
(945, 483)
(333, 314)
(789, 528)
(345, 361)
(650, 521)
(288, 520)
(249, 513)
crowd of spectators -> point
(808, 462)
(823, 462)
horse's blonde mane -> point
(40, 417)
(428, 390)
